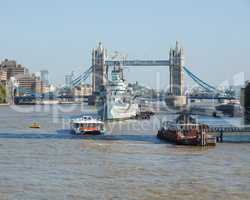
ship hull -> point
(120, 112)
(174, 137)
(81, 132)
(86, 131)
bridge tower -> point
(176, 96)
(176, 64)
(99, 75)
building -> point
(68, 80)
(99, 75)
(29, 83)
(12, 68)
(8, 63)
(83, 90)
(3, 77)
(245, 96)
(245, 100)
(45, 88)
(45, 77)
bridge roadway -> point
(137, 62)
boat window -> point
(96, 125)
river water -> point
(129, 162)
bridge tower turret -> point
(99, 75)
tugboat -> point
(87, 125)
(185, 130)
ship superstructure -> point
(118, 98)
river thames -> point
(129, 162)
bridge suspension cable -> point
(209, 88)
(82, 77)
(203, 84)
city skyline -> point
(60, 36)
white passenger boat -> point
(87, 125)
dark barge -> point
(185, 130)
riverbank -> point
(4, 104)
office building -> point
(83, 90)
(45, 77)
(3, 77)
(12, 68)
(29, 83)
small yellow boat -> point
(35, 125)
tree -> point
(2, 94)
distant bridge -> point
(211, 97)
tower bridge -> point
(101, 63)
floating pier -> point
(220, 131)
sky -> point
(58, 35)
